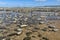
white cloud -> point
(3, 3)
(40, 0)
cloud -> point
(40, 0)
(3, 3)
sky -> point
(28, 3)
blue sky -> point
(28, 3)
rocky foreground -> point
(45, 31)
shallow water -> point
(8, 17)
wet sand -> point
(49, 35)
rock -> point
(1, 38)
(28, 33)
(41, 22)
(45, 38)
(23, 26)
(33, 36)
(51, 26)
(7, 39)
(12, 34)
(27, 38)
(36, 28)
(18, 25)
(19, 31)
(56, 30)
(39, 35)
(44, 29)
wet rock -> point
(12, 34)
(54, 30)
(45, 38)
(28, 33)
(18, 25)
(44, 29)
(8, 39)
(19, 31)
(41, 22)
(33, 36)
(27, 38)
(23, 26)
(36, 28)
(39, 35)
(50, 26)
(1, 38)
